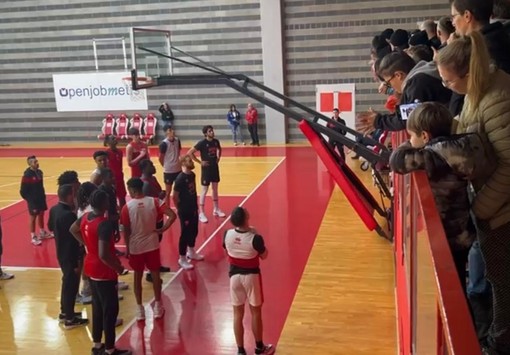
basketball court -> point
(328, 282)
(317, 295)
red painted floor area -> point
(287, 209)
(18, 251)
(87, 152)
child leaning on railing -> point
(450, 161)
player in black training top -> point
(32, 191)
(210, 154)
(185, 199)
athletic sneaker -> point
(122, 286)
(97, 351)
(119, 322)
(185, 264)
(193, 255)
(202, 218)
(119, 352)
(121, 297)
(45, 235)
(164, 269)
(148, 277)
(76, 322)
(36, 241)
(62, 316)
(140, 313)
(159, 310)
(219, 213)
(5, 276)
(268, 350)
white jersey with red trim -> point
(243, 249)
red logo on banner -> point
(344, 101)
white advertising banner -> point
(97, 92)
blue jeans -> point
(236, 131)
(477, 283)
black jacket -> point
(32, 189)
(166, 115)
(497, 39)
(422, 84)
(60, 220)
(449, 163)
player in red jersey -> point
(115, 157)
(95, 231)
(136, 151)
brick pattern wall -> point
(42, 38)
(328, 42)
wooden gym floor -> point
(328, 283)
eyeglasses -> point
(388, 82)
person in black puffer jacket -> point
(415, 82)
(449, 161)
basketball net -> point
(137, 95)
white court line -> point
(27, 268)
(11, 204)
(213, 234)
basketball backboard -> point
(148, 67)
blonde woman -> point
(465, 68)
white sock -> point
(202, 195)
(32, 235)
(215, 194)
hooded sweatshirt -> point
(422, 84)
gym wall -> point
(325, 42)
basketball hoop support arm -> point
(217, 76)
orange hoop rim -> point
(141, 79)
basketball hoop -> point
(141, 81)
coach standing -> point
(61, 218)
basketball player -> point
(115, 157)
(101, 160)
(185, 200)
(152, 188)
(169, 151)
(32, 191)
(107, 186)
(138, 217)
(103, 267)
(136, 151)
(69, 251)
(244, 249)
(70, 177)
(210, 153)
